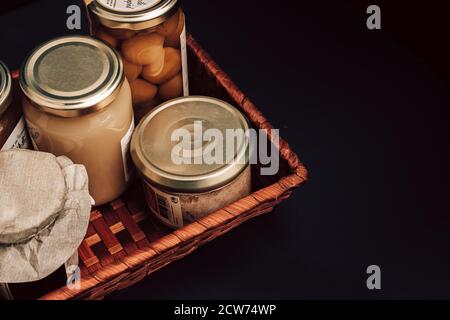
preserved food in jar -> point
(77, 103)
(180, 191)
(151, 37)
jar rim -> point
(51, 79)
(146, 18)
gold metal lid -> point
(152, 144)
(5, 88)
(72, 76)
(133, 14)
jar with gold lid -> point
(193, 155)
(13, 133)
(5, 88)
(77, 103)
(151, 36)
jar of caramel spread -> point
(13, 133)
(77, 103)
(151, 37)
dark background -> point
(368, 113)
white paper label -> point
(19, 138)
(166, 206)
(125, 147)
(129, 5)
(184, 61)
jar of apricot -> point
(151, 37)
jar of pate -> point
(188, 166)
(151, 37)
(77, 103)
(13, 133)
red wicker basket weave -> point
(124, 243)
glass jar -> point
(186, 179)
(77, 103)
(151, 36)
(5, 88)
(13, 133)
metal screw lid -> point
(152, 145)
(72, 75)
(133, 14)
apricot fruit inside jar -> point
(169, 26)
(172, 66)
(142, 91)
(172, 88)
(173, 39)
(145, 49)
(131, 70)
(121, 34)
(107, 38)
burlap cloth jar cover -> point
(44, 214)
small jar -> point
(187, 167)
(77, 103)
(151, 37)
(13, 133)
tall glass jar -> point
(77, 103)
(151, 37)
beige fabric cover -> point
(44, 213)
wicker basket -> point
(124, 243)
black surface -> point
(368, 118)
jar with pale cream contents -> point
(151, 36)
(77, 103)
